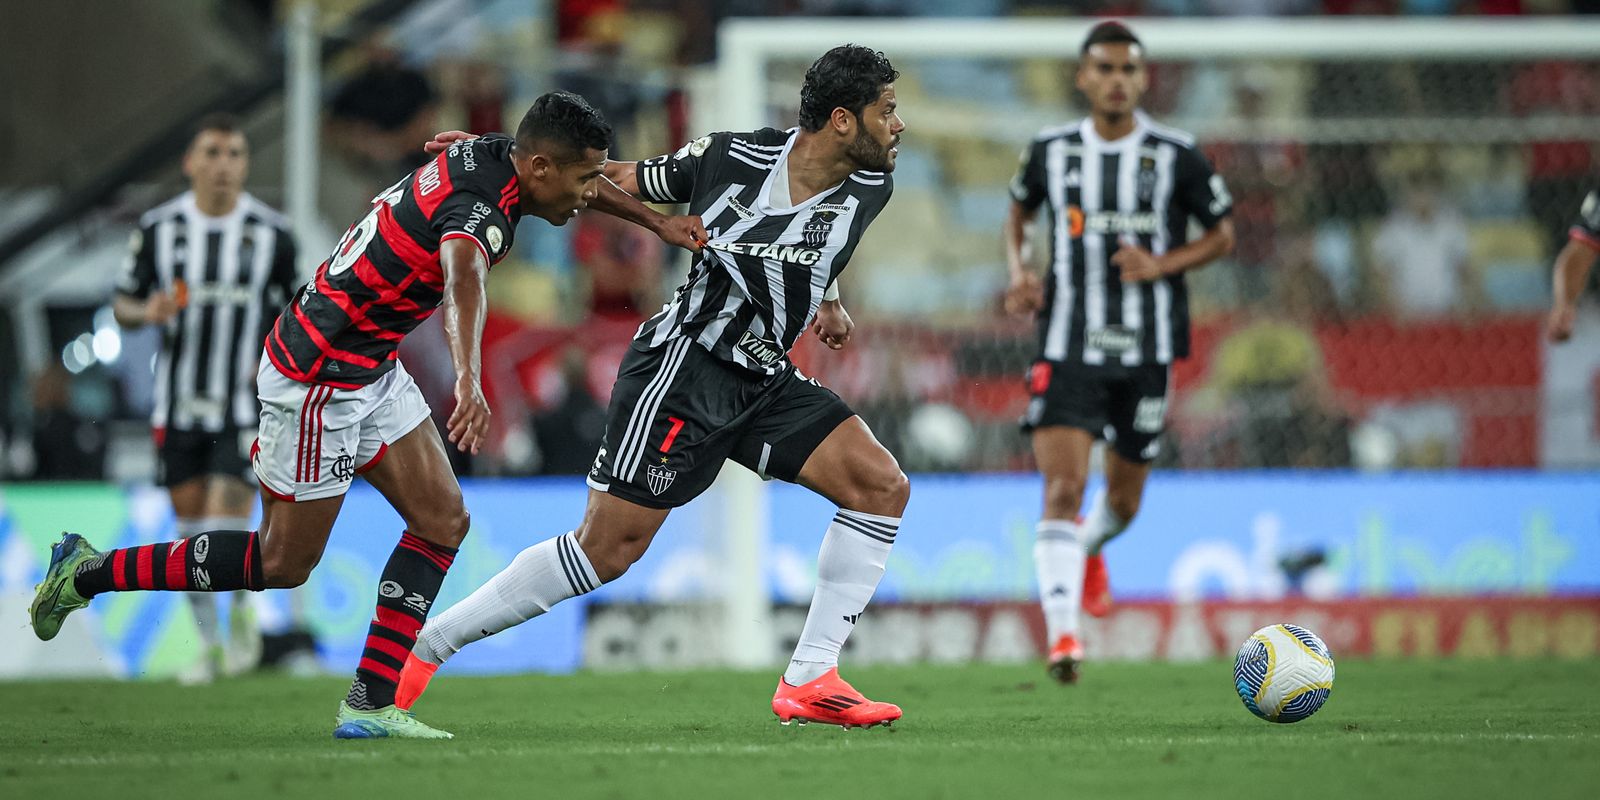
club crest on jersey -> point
(818, 227)
(659, 478)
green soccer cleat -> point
(55, 597)
(383, 723)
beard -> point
(868, 154)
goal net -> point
(1367, 160)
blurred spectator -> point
(569, 431)
(623, 263)
(1558, 170)
(483, 94)
(1300, 289)
(1271, 376)
(593, 67)
(1420, 256)
(382, 114)
(1262, 173)
(66, 446)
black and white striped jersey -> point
(1144, 188)
(757, 285)
(231, 275)
(1587, 227)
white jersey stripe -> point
(1057, 336)
(1132, 293)
(1094, 253)
(1166, 158)
(631, 451)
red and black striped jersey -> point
(343, 328)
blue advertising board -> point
(964, 538)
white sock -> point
(854, 553)
(538, 578)
(203, 604)
(1058, 555)
(1102, 525)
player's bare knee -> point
(884, 490)
(285, 570)
(447, 526)
(1063, 496)
(1123, 506)
(611, 552)
(612, 561)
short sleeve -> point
(1200, 191)
(1028, 187)
(465, 214)
(1587, 227)
(670, 178)
(285, 277)
(138, 276)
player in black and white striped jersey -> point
(748, 300)
(213, 267)
(1122, 191)
(708, 380)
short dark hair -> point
(567, 121)
(217, 121)
(1109, 32)
(848, 76)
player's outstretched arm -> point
(466, 271)
(625, 174)
(686, 232)
(1571, 273)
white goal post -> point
(739, 92)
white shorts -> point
(315, 439)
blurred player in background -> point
(1113, 316)
(335, 401)
(1572, 268)
(708, 379)
(212, 267)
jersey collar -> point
(1141, 126)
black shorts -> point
(1126, 406)
(677, 413)
(182, 456)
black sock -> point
(214, 561)
(406, 591)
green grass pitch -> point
(1412, 730)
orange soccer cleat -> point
(1096, 586)
(830, 701)
(414, 677)
(1065, 658)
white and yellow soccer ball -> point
(1284, 673)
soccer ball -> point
(1283, 673)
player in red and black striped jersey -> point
(335, 403)
(1572, 268)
